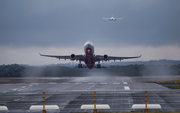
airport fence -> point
(92, 101)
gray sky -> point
(61, 27)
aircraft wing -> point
(101, 58)
(78, 57)
(119, 18)
(106, 18)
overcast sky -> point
(61, 27)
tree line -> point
(15, 70)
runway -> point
(71, 93)
(81, 83)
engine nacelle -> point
(73, 56)
(106, 57)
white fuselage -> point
(89, 58)
(112, 18)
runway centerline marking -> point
(14, 89)
(65, 83)
(52, 83)
(125, 82)
(103, 83)
(77, 83)
(126, 88)
(90, 83)
(116, 83)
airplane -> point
(89, 58)
(112, 18)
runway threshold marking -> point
(126, 88)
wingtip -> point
(40, 54)
(140, 56)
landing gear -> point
(79, 65)
(98, 66)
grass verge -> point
(129, 112)
(173, 87)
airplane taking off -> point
(89, 58)
(112, 18)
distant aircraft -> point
(113, 19)
(89, 58)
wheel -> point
(98, 66)
(80, 66)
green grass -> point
(173, 87)
(128, 112)
(164, 82)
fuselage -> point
(112, 18)
(89, 58)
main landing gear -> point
(80, 65)
(98, 65)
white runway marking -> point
(90, 83)
(126, 88)
(77, 83)
(125, 82)
(91, 87)
(14, 89)
(52, 83)
(103, 83)
(116, 83)
(65, 83)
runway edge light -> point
(149, 106)
(98, 106)
(47, 107)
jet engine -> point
(106, 57)
(73, 56)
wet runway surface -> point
(82, 83)
(120, 93)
